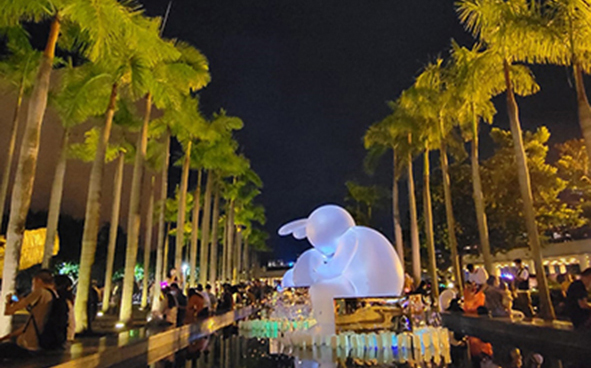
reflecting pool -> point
(228, 349)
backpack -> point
(55, 330)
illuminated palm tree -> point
(497, 25)
(116, 151)
(75, 102)
(101, 24)
(562, 33)
(378, 138)
(423, 103)
(166, 83)
(18, 73)
(127, 66)
(210, 154)
(477, 76)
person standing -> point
(523, 300)
(213, 300)
(577, 305)
(181, 301)
(205, 297)
(63, 286)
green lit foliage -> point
(502, 198)
(573, 168)
(19, 68)
(362, 200)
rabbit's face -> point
(325, 226)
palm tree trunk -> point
(113, 231)
(134, 218)
(449, 211)
(225, 244)
(583, 107)
(55, 200)
(180, 220)
(213, 254)
(238, 255)
(195, 231)
(246, 260)
(414, 226)
(25, 174)
(396, 210)
(148, 245)
(166, 252)
(92, 218)
(10, 150)
(161, 253)
(479, 198)
(234, 254)
(230, 244)
(546, 309)
(429, 226)
(205, 224)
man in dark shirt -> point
(577, 303)
(181, 300)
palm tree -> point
(215, 151)
(240, 194)
(423, 103)
(167, 76)
(205, 226)
(128, 66)
(477, 76)
(113, 230)
(148, 244)
(213, 253)
(161, 243)
(433, 103)
(180, 240)
(378, 138)
(195, 231)
(102, 23)
(247, 214)
(496, 25)
(18, 71)
(86, 152)
(561, 30)
(75, 101)
(414, 225)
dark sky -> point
(309, 76)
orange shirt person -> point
(473, 298)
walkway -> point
(135, 347)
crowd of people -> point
(51, 322)
(177, 308)
(510, 297)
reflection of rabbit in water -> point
(347, 260)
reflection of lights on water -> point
(119, 325)
(99, 314)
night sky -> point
(309, 76)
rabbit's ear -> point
(297, 228)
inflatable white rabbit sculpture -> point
(346, 261)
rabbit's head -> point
(323, 228)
